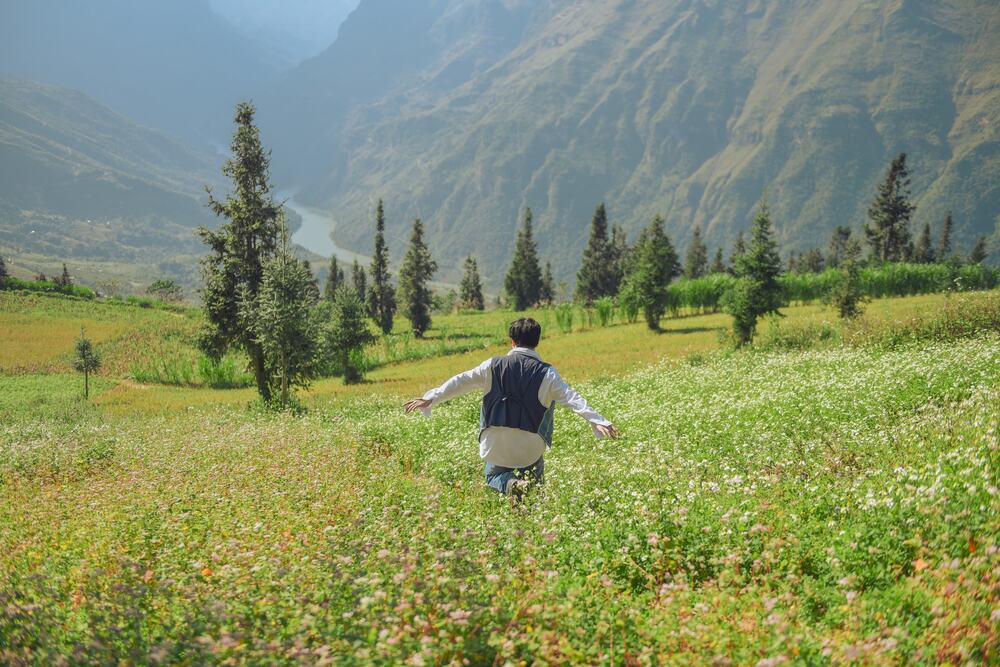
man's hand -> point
(608, 431)
(416, 404)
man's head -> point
(525, 332)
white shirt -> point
(512, 447)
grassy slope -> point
(830, 506)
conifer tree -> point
(923, 252)
(547, 292)
(240, 247)
(523, 281)
(944, 242)
(696, 260)
(739, 249)
(846, 295)
(86, 360)
(838, 245)
(416, 271)
(471, 289)
(64, 278)
(979, 251)
(3, 271)
(334, 279)
(620, 256)
(811, 261)
(718, 264)
(360, 281)
(757, 291)
(284, 323)
(889, 230)
(347, 333)
(654, 265)
(597, 274)
(381, 296)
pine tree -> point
(86, 360)
(347, 333)
(381, 296)
(597, 276)
(811, 261)
(620, 256)
(655, 265)
(414, 274)
(360, 281)
(890, 213)
(846, 295)
(3, 271)
(757, 291)
(471, 289)
(334, 279)
(696, 261)
(285, 324)
(240, 247)
(923, 252)
(64, 279)
(944, 242)
(979, 251)
(838, 246)
(523, 281)
(547, 292)
(739, 249)
(718, 264)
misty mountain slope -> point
(175, 66)
(688, 108)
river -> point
(316, 233)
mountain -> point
(465, 111)
(78, 180)
(176, 66)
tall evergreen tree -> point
(360, 281)
(757, 291)
(597, 274)
(240, 247)
(654, 265)
(839, 240)
(381, 296)
(811, 261)
(547, 292)
(923, 252)
(86, 360)
(718, 264)
(334, 279)
(889, 230)
(64, 278)
(846, 295)
(523, 281)
(471, 289)
(739, 249)
(979, 251)
(416, 271)
(285, 324)
(620, 255)
(347, 333)
(944, 242)
(696, 260)
(3, 271)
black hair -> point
(525, 332)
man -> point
(520, 392)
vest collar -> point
(525, 350)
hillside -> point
(464, 111)
(82, 182)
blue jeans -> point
(498, 476)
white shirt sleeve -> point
(554, 389)
(480, 377)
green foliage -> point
(346, 334)
(846, 297)
(334, 279)
(839, 240)
(654, 265)
(47, 286)
(359, 279)
(979, 252)
(757, 291)
(240, 247)
(523, 282)
(923, 252)
(889, 230)
(605, 307)
(944, 248)
(718, 264)
(598, 274)
(564, 317)
(381, 295)
(86, 360)
(547, 290)
(3, 272)
(696, 260)
(165, 289)
(471, 288)
(416, 271)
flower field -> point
(831, 506)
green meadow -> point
(829, 496)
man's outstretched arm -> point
(463, 383)
(560, 392)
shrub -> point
(564, 317)
(605, 307)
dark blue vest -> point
(512, 400)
